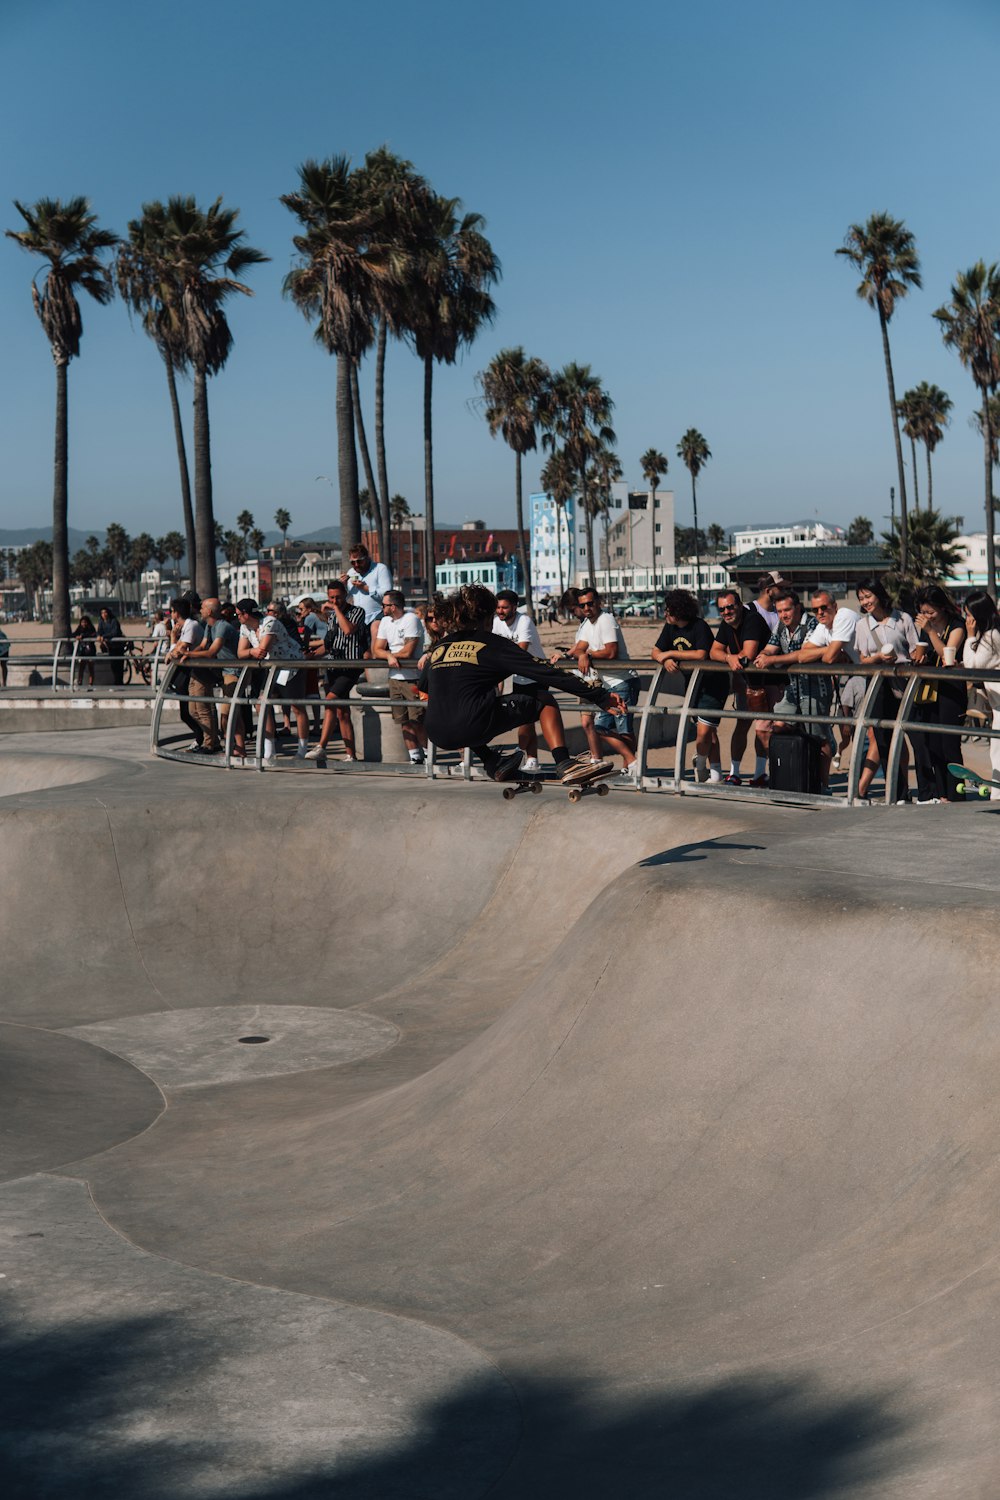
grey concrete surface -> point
(230, 1043)
(690, 1131)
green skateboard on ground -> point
(969, 781)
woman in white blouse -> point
(884, 636)
(981, 652)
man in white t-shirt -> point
(267, 636)
(832, 641)
(599, 640)
(398, 643)
(520, 629)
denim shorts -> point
(619, 723)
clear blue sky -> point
(665, 185)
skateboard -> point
(969, 781)
(597, 783)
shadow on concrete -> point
(106, 1410)
(686, 854)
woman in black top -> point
(942, 629)
(86, 650)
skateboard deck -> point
(970, 781)
(597, 783)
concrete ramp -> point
(683, 1160)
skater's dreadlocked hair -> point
(472, 608)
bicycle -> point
(135, 663)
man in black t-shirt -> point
(742, 634)
(686, 638)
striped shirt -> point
(344, 647)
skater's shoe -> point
(318, 754)
(530, 766)
(583, 769)
(506, 766)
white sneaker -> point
(302, 753)
(530, 765)
(631, 770)
(269, 762)
(835, 763)
(318, 752)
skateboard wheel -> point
(575, 795)
(603, 790)
(960, 788)
(984, 791)
(509, 792)
(536, 786)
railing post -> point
(895, 744)
(861, 734)
(644, 717)
(684, 719)
(164, 688)
(55, 664)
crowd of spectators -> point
(363, 618)
(758, 641)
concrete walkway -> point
(645, 1148)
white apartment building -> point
(640, 535)
(788, 534)
(971, 571)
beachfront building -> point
(787, 534)
(494, 572)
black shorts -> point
(513, 711)
(339, 684)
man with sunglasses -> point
(598, 640)
(346, 639)
(740, 638)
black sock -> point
(560, 755)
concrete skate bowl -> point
(21, 773)
(680, 1178)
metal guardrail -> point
(64, 655)
(910, 675)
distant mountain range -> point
(78, 539)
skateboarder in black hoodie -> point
(460, 682)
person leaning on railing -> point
(219, 643)
(685, 638)
(981, 653)
(884, 637)
(942, 637)
(187, 632)
(86, 637)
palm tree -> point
(579, 420)
(602, 473)
(118, 544)
(142, 549)
(245, 523)
(885, 253)
(399, 513)
(147, 283)
(516, 389)
(694, 453)
(283, 521)
(861, 532)
(174, 543)
(341, 265)
(256, 541)
(66, 236)
(969, 324)
(716, 538)
(448, 302)
(205, 254)
(559, 480)
(933, 554)
(654, 466)
(935, 406)
(909, 412)
(393, 191)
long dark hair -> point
(933, 593)
(983, 609)
(877, 587)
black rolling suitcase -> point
(793, 763)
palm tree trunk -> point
(588, 522)
(904, 539)
(60, 509)
(366, 459)
(607, 554)
(991, 562)
(205, 581)
(347, 459)
(697, 547)
(182, 462)
(930, 482)
(652, 512)
(521, 549)
(559, 526)
(916, 490)
(428, 476)
(382, 493)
